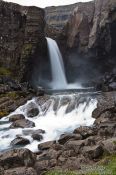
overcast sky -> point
(45, 3)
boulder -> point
(107, 129)
(24, 123)
(20, 141)
(33, 112)
(72, 164)
(106, 102)
(92, 152)
(31, 132)
(20, 171)
(13, 118)
(85, 131)
(37, 137)
(17, 158)
(65, 137)
(109, 145)
(76, 145)
(46, 145)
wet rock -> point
(31, 132)
(13, 118)
(93, 152)
(65, 137)
(109, 145)
(46, 145)
(32, 112)
(17, 158)
(20, 141)
(20, 171)
(106, 102)
(22, 124)
(37, 137)
(84, 132)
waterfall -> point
(57, 66)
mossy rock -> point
(4, 71)
(27, 49)
(3, 114)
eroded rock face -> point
(21, 33)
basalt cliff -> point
(22, 39)
(86, 37)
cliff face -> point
(21, 37)
(87, 39)
(57, 17)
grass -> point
(107, 166)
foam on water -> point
(55, 120)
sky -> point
(45, 3)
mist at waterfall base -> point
(59, 114)
(58, 76)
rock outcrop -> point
(21, 38)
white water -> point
(55, 121)
(59, 80)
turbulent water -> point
(58, 115)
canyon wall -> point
(21, 38)
(87, 39)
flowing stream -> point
(57, 115)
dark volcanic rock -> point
(37, 137)
(22, 32)
(32, 112)
(20, 141)
(13, 118)
(17, 158)
(46, 145)
(93, 152)
(65, 137)
(22, 124)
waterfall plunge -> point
(57, 66)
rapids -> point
(58, 114)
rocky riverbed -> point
(72, 151)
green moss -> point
(3, 113)
(27, 48)
(4, 71)
(114, 142)
(13, 95)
